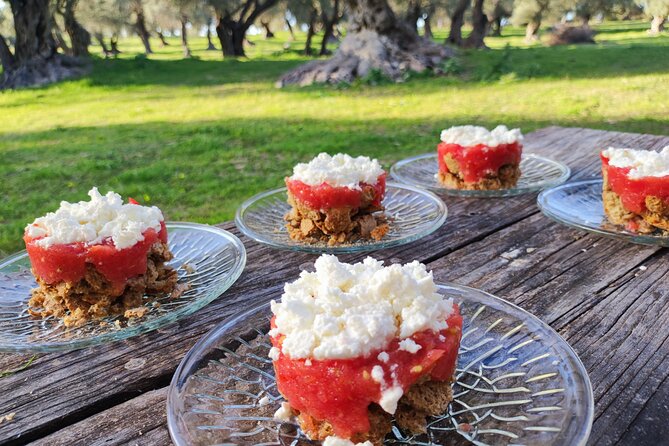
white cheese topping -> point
(103, 217)
(351, 310)
(284, 413)
(339, 170)
(336, 441)
(383, 357)
(643, 163)
(377, 374)
(472, 135)
(409, 345)
(389, 399)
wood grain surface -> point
(607, 298)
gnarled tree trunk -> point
(232, 25)
(268, 32)
(375, 40)
(210, 43)
(457, 20)
(35, 60)
(532, 31)
(113, 42)
(328, 27)
(427, 30)
(79, 37)
(184, 35)
(231, 35)
(6, 57)
(161, 37)
(311, 30)
(480, 27)
(101, 41)
(140, 26)
(290, 28)
(413, 14)
(657, 24)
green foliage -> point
(197, 137)
(655, 7)
(452, 67)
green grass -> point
(196, 137)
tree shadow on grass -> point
(187, 72)
(201, 171)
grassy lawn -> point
(196, 137)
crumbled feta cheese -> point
(307, 362)
(336, 441)
(377, 374)
(383, 357)
(339, 170)
(284, 413)
(274, 353)
(264, 401)
(92, 222)
(472, 135)
(350, 310)
(409, 345)
(389, 399)
(643, 163)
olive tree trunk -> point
(375, 40)
(457, 20)
(140, 26)
(532, 31)
(290, 28)
(35, 60)
(233, 24)
(79, 37)
(480, 27)
(329, 23)
(413, 14)
(184, 35)
(427, 30)
(268, 32)
(231, 35)
(311, 30)
(210, 43)
(657, 24)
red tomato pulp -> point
(67, 263)
(325, 196)
(633, 191)
(477, 161)
(340, 390)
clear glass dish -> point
(207, 258)
(537, 173)
(517, 382)
(579, 205)
(413, 213)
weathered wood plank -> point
(140, 421)
(71, 386)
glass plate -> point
(579, 205)
(537, 173)
(208, 258)
(518, 382)
(413, 212)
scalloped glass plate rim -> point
(540, 185)
(191, 358)
(141, 328)
(545, 207)
(362, 247)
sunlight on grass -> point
(198, 136)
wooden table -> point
(607, 298)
